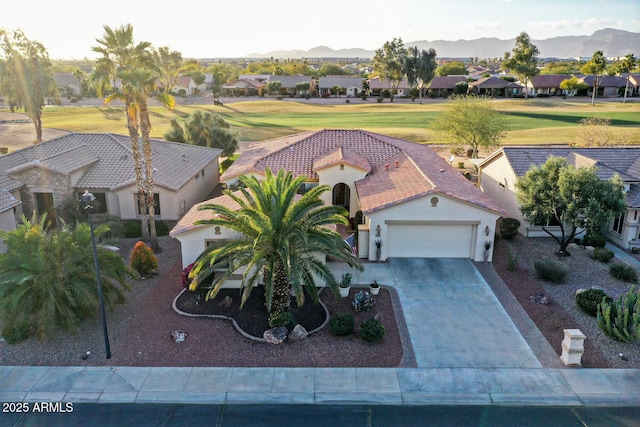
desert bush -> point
(624, 272)
(341, 324)
(16, 333)
(372, 330)
(621, 319)
(551, 270)
(143, 259)
(509, 228)
(132, 229)
(460, 165)
(162, 229)
(595, 240)
(588, 300)
(602, 255)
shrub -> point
(386, 93)
(16, 333)
(588, 300)
(624, 272)
(509, 228)
(460, 165)
(184, 279)
(513, 260)
(281, 318)
(595, 240)
(469, 152)
(341, 324)
(372, 330)
(602, 255)
(621, 319)
(161, 228)
(143, 259)
(551, 270)
(132, 229)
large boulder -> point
(275, 335)
(298, 333)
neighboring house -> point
(546, 84)
(500, 171)
(262, 78)
(609, 86)
(288, 84)
(184, 86)
(349, 86)
(411, 198)
(445, 84)
(67, 84)
(8, 209)
(494, 86)
(43, 177)
(377, 86)
(243, 87)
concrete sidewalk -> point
(472, 343)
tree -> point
(628, 64)
(282, 235)
(453, 68)
(523, 59)
(302, 88)
(206, 130)
(389, 63)
(26, 76)
(128, 71)
(335, 90)
(420, 67)
(472, 120)
(274, 86)
(573, 85)
(595, 66)
(169, 63)
(47, 278)
(81, 76)
(574, 198)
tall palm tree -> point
(113, 74)
(628, 63)
(283, 235)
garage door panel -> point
(430, 241)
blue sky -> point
(214, 28)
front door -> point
(342, 196)
(44, 204)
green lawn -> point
(530, 121)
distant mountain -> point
(614, 43)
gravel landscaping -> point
(562, 312)
(140, 334)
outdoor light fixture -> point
(487, 230)
(378, 231)
(87, 198)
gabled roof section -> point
(107, 159)
(243, 83)
(342, 81)
(548, 80)
(624, 161)
(493, 83)
(187, 222)
(446, 82)
(419, 170)
(341, 155)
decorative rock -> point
(540, 299)
(579, 291)
(275, 335)
(572, 246)
(178, 335)
(226, 302)
(298, 333)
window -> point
(156, 199)
(306, 186)
(618, 224)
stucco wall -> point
(348, 175)
(422, 209)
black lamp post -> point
(87, 198)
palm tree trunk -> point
(281, 300)
(137, 166)
(145, 128)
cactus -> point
(621, 319)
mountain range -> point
(613, 43)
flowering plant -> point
(185, 275)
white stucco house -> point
(411, 198)
(500, 171)
(41, 177)
(349, 86)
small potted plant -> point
(487, 249)
(374, 288)
(379, 245)
(345, 285)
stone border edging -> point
(235, 324)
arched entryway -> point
(341, 195)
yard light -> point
(87, 198)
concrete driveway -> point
(453, 317)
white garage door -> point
(430, 241)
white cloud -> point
(593, 23)
(484, 25)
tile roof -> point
(290, 81)
(7, 201)
(493, 83)
(187, 222)
(446, 82)
(420, 170)
(341, 155)
(607, 81)
(623, 161)
(342, 81)
(243, 83)
(377, 83)
(548, 80)
(107, 159)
